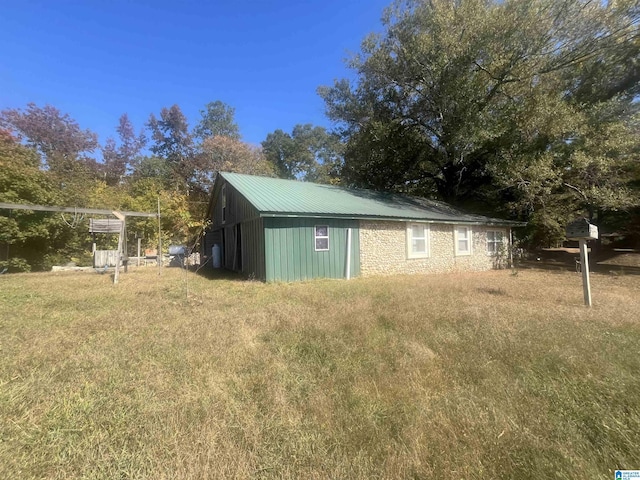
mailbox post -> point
(582, 231)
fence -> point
(104, 257)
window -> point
(495, 239)
(417, 240)
(224, 203)
(322, 238)
(463, 240)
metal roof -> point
(279, 197)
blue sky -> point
(97, 59)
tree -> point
(309, 153)
(62, 145)
(173, 141)
(42, 162)
(24, 237)
(153, 167)
(494, 102)
(120, 160)
(217, 120)
(56, 136)
(281, 150)
(113, 165)
(225, 154)
(21, 179)
(130, 143)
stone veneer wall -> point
(383, 250)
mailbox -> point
(581, 229)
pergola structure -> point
(119, 214)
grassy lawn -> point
(177, 376)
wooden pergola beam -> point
(119, 214)
(93, 211)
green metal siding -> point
(228, 248)
(238, 207)
(239, 212)
(290, 253)
(253, 249)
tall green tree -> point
(218, 119)
(309, 153)
(497, 102)
(153, 167)
(26, 238)
(281, 150)
(172, 140)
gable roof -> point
(275, 197)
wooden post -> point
(139, 240)
(116, 275)
(125, 243)
(159, 257)
(584, 262)
(93, 248)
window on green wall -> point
(321, 238)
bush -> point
(14, 265)
(84, 259)
(51, 259)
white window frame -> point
(316, 237)
(499, 245)
(456, 240)
(427, 241)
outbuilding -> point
(286, 230)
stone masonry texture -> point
(383, 250)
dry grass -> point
(459, 376)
